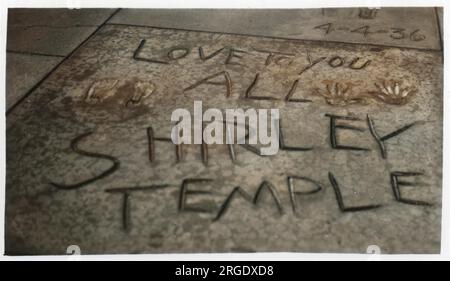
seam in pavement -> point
(52, 26)
(280, 38)
(29, 92)
(34, 54)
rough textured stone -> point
(387, 26)
(23, 72)
(91, 92)
(52, 31)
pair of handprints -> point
(341, 94)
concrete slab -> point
(84, 168)
(403, 27)
(23, 71)
(52, 31)
(57, 17)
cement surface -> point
(109, 92)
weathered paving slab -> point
(52, 31)
(386, 26)
(79, 170)
(23, 71)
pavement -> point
(89, 96)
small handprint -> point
(101, 90)
(127, 92)
(391, 92)
(339, 94)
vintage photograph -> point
(155, 131)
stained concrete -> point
(106, 96)
(386, 26)
(23, 71)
